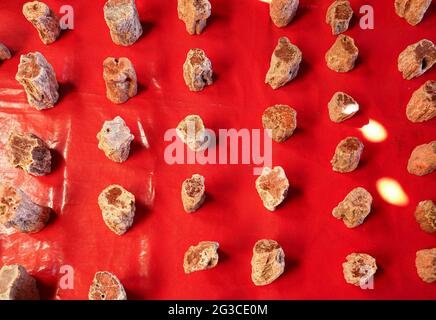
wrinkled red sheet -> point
(239, 40)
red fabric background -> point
(239, 40)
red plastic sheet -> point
(239, 40)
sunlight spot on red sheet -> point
(374, 131)
(392, 192)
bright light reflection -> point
(392, 192)
(266, 1)
(374, 131)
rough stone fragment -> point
(283, 11)
(354, 208)
(342, 107)
(197, 70)
(120, 78)
(422, 161)
(43, 19)
(18, 211)
(359, 269)
(106, 286)
(118, 208)
(422, 104)
(192, 132)
(338, 16)
(17, 284)
(426, 264)
(38, 78)
(123, 21)
(193, 193)
(281, 120)
(203, 256)
(194, 14)
(114, 139)
(272, 186)
(425, 215)
(343, 54)
(417, 59)
(412, 10)
(284, 65)
(347, 155)
(29, 152)
(267, 263)
(4, 52)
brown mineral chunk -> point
(203, 256)
(19, 212)
(272, 186)
(193, 193)
(354, 208)
(194, 14)
(114, 139)
(106, 286)
(338, 16)
(285, 62)
(192, 132)
(29, 152)
(412, 10)
(347, 155)
(281, 120)
(342, 56)
(4, 52)
(43, 19)
(283, 11)
(426, 264)
(342, 107)
(197, 70)
(267, 263)
(118, 208)
(122, 19)
(425, 215)
(422, 105)
(422, 161)
(17, 284)
(38, 78)
(120, 78)
(417, 59)
(359, 269)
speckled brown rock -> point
(343, 54)
(193, 193)
(203, 256)
(197, 70)
(338, 16)
(272, 186)
(17, 284)
(192, 132)
(354, 208)
(412, 10)
(347, 155)
(194, 14)
(38, 78)
(120, 78)
(342, 107)
(359, 269)
(123, 21)
(267, 263)
(422, 161)
(106, 286)
(422, 104)
(426, 264)
(118, 208)
(29, 152)
(281, 120)
(283, 11)
(425, 215)
(285, 62)
(417, 59)
(18, 211)
(5, 54)
(43, 19)
(114, 139)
